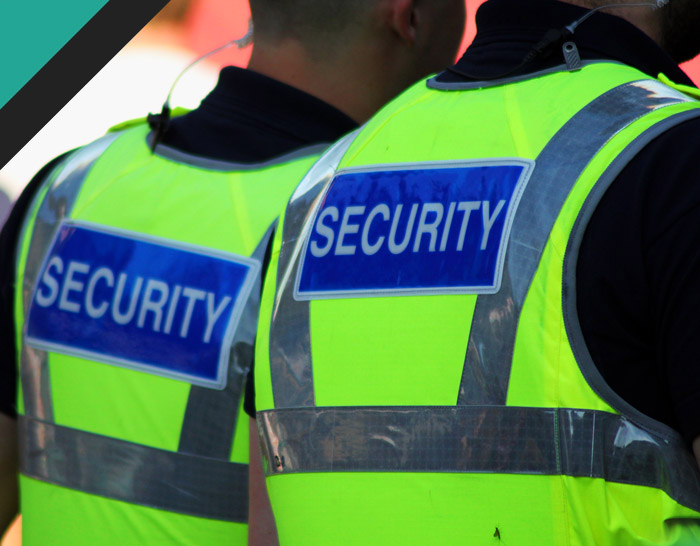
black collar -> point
(251, 118)
(507, 30)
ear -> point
(402, 18)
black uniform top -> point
(247, 118)
(639, 263)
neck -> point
(351, 81)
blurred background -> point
(137, 80)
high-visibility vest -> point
(138, 285)
(421, 375)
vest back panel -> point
(160, 227)
(465, 414)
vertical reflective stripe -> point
(489, 355)
(290, 339)
(56, 205)
(133, 473)
(210, 417)
(478, 439)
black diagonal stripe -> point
(70, 69)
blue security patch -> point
(140, 302)
(428, 228)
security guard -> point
(138, 270)
(466, 292)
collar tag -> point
(571, 56)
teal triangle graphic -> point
(33, 32)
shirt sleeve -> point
(638, 281)
(249, 400)
(9, 238)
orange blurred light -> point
(472, 6)
(13, 537)
(212, 23)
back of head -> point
(674, 24)
(354, 54)
(317, 24)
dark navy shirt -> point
(247, 118)
(639, 263)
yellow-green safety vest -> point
(421, 375)
(124, 437)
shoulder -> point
(638, 265)
(667, 174)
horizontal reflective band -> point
(137, 474)
(470, 439)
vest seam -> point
(433, 82)
(175, 155)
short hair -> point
(174, 11)
(312, 22)
(592, 4)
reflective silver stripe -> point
(290, 340)
(569, 296)
(489, 355)
(210, 417)
(477, 439)
(56, 205)
(134, 473)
